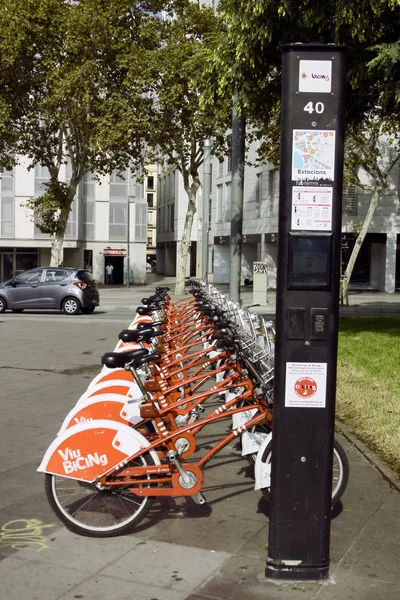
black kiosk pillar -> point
(311, 178)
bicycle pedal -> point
(199, 498)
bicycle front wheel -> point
(340, 472)
(85, 510)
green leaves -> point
(181, 119)
(47, 207)
(246, 57)
(76, 85)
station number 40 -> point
(318, 108)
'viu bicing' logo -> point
(73, 460)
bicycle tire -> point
(79, 504)
(340, 474)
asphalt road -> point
(47, 361)
(114, 315)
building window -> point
(118, 212)
(25, 259)
(162, 228)
(118, 185)
(228, 202)
(350, 199)
(150, 182)
(7, 217)
(166, 214)
(229, 155)
(149, 241)
(218, 216)
(258, 196)
(71, 229)
(88, 187)
(7, 205)
(172, 217)
(168, 187)
(271, 190)
(220, 168)
(88, 207)
(88, 219)
(150, 200)
(150, 218)
(42, 176)
(163, 184)
(140, 221)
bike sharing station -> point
(132, 436)
(307, 309)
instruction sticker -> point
(313, 159)
(312, 208)
(305, 385)
(315, 76)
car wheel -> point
(71, 306)
(88, 310)
(3, 305)
(17, 310)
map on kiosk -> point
(313, 158)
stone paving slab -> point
(31, 580)
(99, 587)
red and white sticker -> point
(305, 385)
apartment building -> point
(378, 264)
(107, 224)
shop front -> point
(116, 258)
(151, 260)
(14, 261)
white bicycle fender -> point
(106, 371)
(128, 389)
(90, 450)
(262, 471)
(140, 319)
(110, 407)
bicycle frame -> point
(166, 473)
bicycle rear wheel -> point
(85, 510)
(340, 472)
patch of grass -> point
(368, 386)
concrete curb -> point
(391, 476)
(360, 311)
(388, 309)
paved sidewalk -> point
(181, 551)
(361, 303)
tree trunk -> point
(59, 235)
(376, 192)
(185, 242)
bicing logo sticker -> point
(305, 385)
(73, 461)
(87, 451)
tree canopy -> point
(180, 122)
(246, 58)
(75, 99)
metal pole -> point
(238, 149)
(307, 310)
(206, 209)
(127, 242)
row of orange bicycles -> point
(131, 437)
